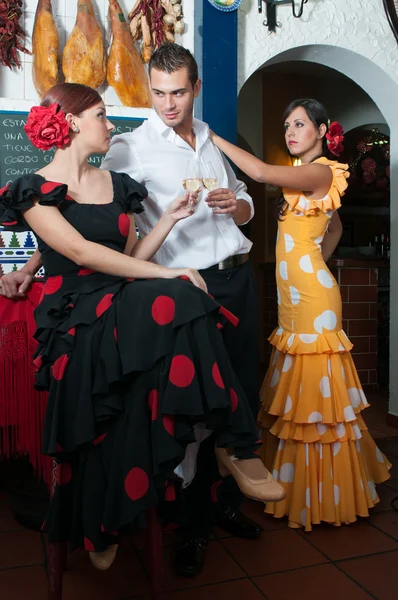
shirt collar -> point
(200, 128)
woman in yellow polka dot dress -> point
(315, 439)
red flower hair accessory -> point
(47, 127)
(335, 138)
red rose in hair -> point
(47, 127)
(335, 138)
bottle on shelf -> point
(377, 248)
(387, 255)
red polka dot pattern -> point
(124, 225)
(104, 304)
(169, 424)
(217, 376)
(85, 271)
(163, 310)
(170, 495)
(99, 439)
(182, 371)
(53, 284)
(9, 223)
(234, 399)
(153, 403)
(88, 545)
(38, 363)
(64, 474)
(72, 331)
(49, 186)
(136, 483)
(213, 491)
(58, 368)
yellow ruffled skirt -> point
(315, 440)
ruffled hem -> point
(334, 483)
(309, 394)
(300, 204)
(310, 343)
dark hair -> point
(170, 58)
(72, 98)
(317, 114)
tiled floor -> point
(356, 562)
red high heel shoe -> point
(253, 479)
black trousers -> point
(236, 290)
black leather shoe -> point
(190, 557)
(236, 523)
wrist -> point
(27, 271)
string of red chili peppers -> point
(12, 36)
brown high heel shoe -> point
(103, 560)
(253, 479)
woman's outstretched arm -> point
(311, 178)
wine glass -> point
(193, 179)
(209, 176)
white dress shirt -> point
(154, 155)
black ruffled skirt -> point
(130, 367)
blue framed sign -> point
(226, 5)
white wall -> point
(353, 37)
(17, 91)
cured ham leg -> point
(126, 72)
(45, 46)
(84, 60)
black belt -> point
(229, 263)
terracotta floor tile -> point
(376, 434)
(389, 446)
(219, 566)
(234, 590)
(348, 541)
(7, 521)
(377, 574)
(20, 548)
(386, 495)
(273, 551)
(394, 465)
(14, 583)
(377, 420)
(386, 521)
(393, 483)
(324, 581)
(125, 578)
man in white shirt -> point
(157, 154)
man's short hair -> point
(170, 58)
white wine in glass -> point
(193, 177)
(209, 176)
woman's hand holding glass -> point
(182, 207)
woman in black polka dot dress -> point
(131, 354)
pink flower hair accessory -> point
(335, 138)
(47, 127)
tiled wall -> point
(17, 91)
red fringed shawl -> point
(22, 408)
